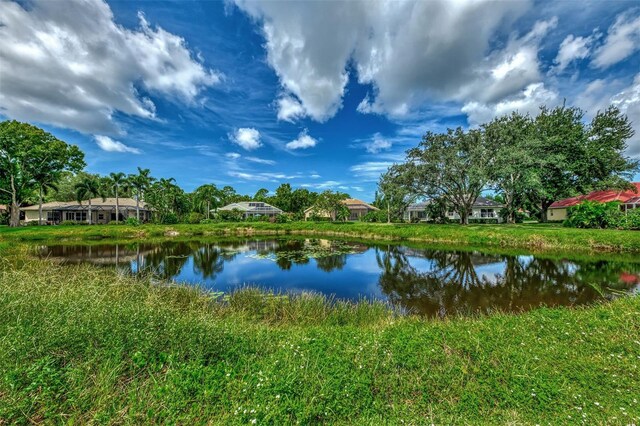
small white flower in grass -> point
(254, 421)
(597, 403)
(277, 396)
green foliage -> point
(132, 221)
(329, 204)
(592, 214)
(374, 216)
(195, 217)
(169, 218)
(234, 215)
(31, 160)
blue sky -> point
(323, 95)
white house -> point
(482, 208)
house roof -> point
(123, 203)
(252, 207)
(634, 200)
(486, 202)
(599, 196)
(355, 203)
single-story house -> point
(357, 209)
(482, 208)
(629, 199)
(252, 209)
(102, 211)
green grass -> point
(80, 344)
(531, 237)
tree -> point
(31, 158)
(89, 187)
(139, 183)
(283, 197)
(117, 181)
(330, 203)
(605, 166)
(168, 200)
(206, 197)
(453, 166)
(261, 195)
(514, 165)
(395, 196)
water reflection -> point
(435, 283)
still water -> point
(434, 283)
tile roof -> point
(353, 202)
(600, 196)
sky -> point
(320, 94)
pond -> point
(429, 282)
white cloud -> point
(623, 39)
(408, 51)
(233, 155)
(528, 101)
(260, 160)
(290, 109)
(628, 100)
(107, 144)
(303, 141)
(572, 49)
(371, 170)
(377, 144)
(247, 138)
(69, 64)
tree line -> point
(36, 167)
(529, 162)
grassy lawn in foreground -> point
(530, 236)
(81, 344)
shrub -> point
(283, 218)
(195, 217)
(483, 220)
(209, 221)
(132, 221)
(592, 214)
(170, 219)
(374, 216)
(234, 215)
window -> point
(100, 216)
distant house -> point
(482, 208)
(357, 209)
(102, 211)
(3, 209)
(252, 209)
(629, 199)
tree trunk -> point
(544, 206)
(138, 207)
(89, 218)
(117, 207)
(40, 207)
(15, 208)
(208, 208)
(388, 212)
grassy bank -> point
(81, 344)
(530, 237)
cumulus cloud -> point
(526, 102)
(107, 144)
(69, 64)
(572, 49)
(628, 100)
(377, 144)
(247, 138)
(623, 39)
(290, 109)
(408, 51)
(303, 141)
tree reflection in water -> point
(429, 282)
(453, 286)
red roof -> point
(600, 196)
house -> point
(102, 211)
(629, 199)
(3, 209)
(252, 209)
(357, 209)
(482, 208)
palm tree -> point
(204, 195)
(140, 183)
(46, 182)
(118, 181)
(89, 187)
